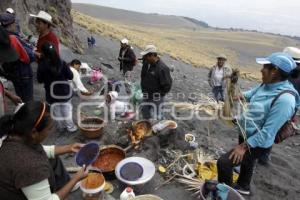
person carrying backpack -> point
(7, 54)
(271, 105)
(20, 71)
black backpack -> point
(10, 70)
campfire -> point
(139, 131)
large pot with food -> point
(92, 127)
(108, 159)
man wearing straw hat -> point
(44, 26)
(217, 75)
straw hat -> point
(10, 10)
(294, 52)
(222, 56)
(149, 49)
(44, 16)
(125, 41)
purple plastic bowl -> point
(87, 154)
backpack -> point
(287, 130)
(10, 70)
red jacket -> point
(23, 56)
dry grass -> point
(197, 47)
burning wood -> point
(139, 131)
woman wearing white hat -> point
(43, 25)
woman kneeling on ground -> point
(29, 170)
(262, 120)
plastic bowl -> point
(99, 176)
(87, 154)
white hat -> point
(222, 56)
(10, 10)
(149, 49)
(43, 16)
(293, 52)
(124, 41)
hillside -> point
(198, 46)
(137, 18)
(60, 11)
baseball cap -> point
(7, 19)
(149, 49)
(281, 60)
(293, 52)
(7, 53)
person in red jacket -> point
(7, 54)
(20, 71)
(44, 26)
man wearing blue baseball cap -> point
(262, 119)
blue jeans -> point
(218, 93)
(24, 89)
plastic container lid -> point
(131, 171)
(128, 189)
(87, 154)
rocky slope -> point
(60, 11)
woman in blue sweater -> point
(261, 121)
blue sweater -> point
(268, 120)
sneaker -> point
(242, 190)
(237, 169)
(73, 129)
(76, 187)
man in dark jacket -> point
(127, 57)
(156, 82)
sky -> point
(274, 16)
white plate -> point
(148, 170)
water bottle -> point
(127, 194)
